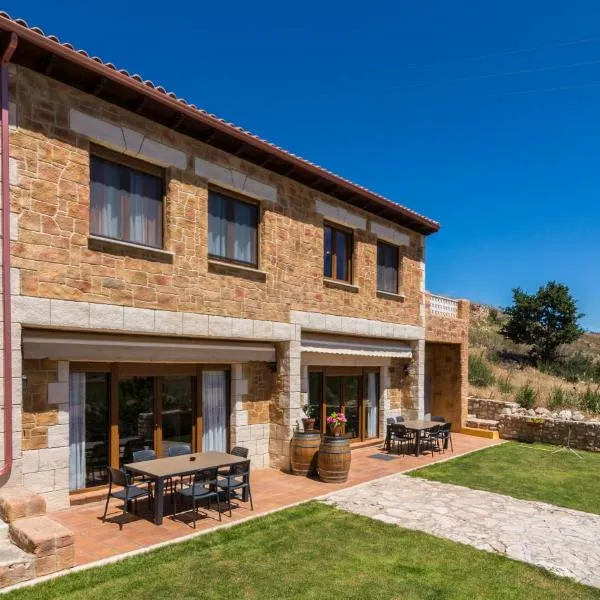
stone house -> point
(170, 278)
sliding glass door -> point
(116, 410)
(355, 392)
(177, 412)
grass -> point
(529, 472)
(309, 552)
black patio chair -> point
(388, 433)
(236, 451)
(127, 494)
(203, 487)
(444, 434)
(400, 419)
(237, 479)
(179, 450)
(430, 440)
(141, 456)
(401, 436)
(438, 419)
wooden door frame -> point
(360, 372)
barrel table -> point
(334, 459)
(303, 452)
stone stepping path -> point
(564, 541)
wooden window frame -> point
(349, 233)
(398, 270)
(233, 197)
(134, 164)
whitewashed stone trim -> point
(44, 312)
(126, 140)
(388, 234)
(340, 215)
(355, 326)
(234, 180)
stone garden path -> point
(564, 541)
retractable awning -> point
(76, 346)
(367, 347)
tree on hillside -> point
(544, 320)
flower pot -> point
(308, 424)
(336, 431)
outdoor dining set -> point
(197, 478)
(418, 436)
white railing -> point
(443, 307)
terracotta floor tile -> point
(273, 489)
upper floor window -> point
(232, 229)
(387, 267)
(338, 253)
(126, 199)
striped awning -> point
(367, 347)
(80, 346)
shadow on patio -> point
(271, 489)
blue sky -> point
(483, 116)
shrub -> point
(504, 385)
(578, 367)
(561, 398)
(527, 396)
(590, 400)
(480, 373)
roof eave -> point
(291, 165)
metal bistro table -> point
(160, 469)
(418, 426)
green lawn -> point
(526, 471)
(313, 551)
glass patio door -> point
(342, 393)
(136, 416)
(177, 412)
(214, 411)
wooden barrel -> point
(334, 459)
(303, 452)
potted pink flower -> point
(336, 421)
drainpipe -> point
(6, 287)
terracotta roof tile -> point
(434, 225)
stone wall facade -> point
(585, 435)
(45, 442)
(65, 278)
(50, 196)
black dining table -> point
(418, 427)
(160, 469)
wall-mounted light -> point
(24, 381)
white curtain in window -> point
(105, 199)
(214, 411)
(372, 401)
(217, 225)
(244, 241)
(76, 431)
(145, 209)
